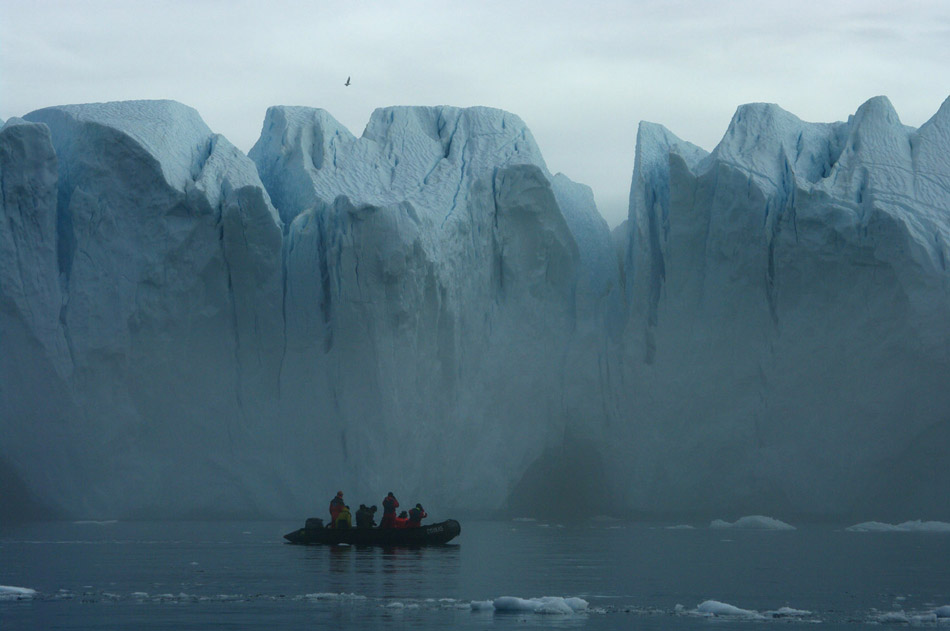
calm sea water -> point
(230, 575)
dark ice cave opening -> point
(567, 483)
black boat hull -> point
(432, 534)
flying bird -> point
(347, 81)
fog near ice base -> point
(191, 331)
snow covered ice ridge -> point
(197, 331)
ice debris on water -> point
(907, 526)
(334, 596)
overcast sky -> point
(580, 74)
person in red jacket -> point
(416, 515)
(390, 504)
(336, 505)
(402, 520)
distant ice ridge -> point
(753, 522)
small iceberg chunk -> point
(753, 522)
(8, 592)
(544, 605)
(892, 617)
(716, 608)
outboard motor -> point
(313, 523)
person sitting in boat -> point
(344, 519)
(402, 520)
(364, 516)
(336, 505)
(390, 504)
(416, 515)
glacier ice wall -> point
(140, 321)
(435, 294)
(425, 308)
(789, 316)
(401, 316)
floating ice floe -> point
(543, 605)
(753, 522)
(892, 617)
(904, 617)
(908, 526)
(8, 592)
(942, 612)
(788, 612)
(334, 596)
(717, 608)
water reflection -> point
(402, 560)
(391, 572)
(339, 559)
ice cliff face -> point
(141, 322)
(187, 330)
(434, 292)
(400, 317)
(789, 328)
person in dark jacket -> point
(365, 517)
(390, 504)
(416, 515)
(336, 505)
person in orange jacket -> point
(402, 520)
(390, 504)
(416, 515)
(336, 505)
